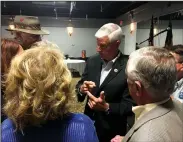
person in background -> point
(177, 52)
(104, 83)
(27, 30)
(38, 87)
(46, 44)
(9, 49)
(151, 76)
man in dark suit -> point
(105, 83)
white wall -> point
(130, 39)
(5, 33)
(82, 39)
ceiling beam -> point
(64, 21)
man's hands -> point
(87, 86)
(94, 103)
(97, 103)
(117, 138)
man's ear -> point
(181, 67)
(138, 88)
(118, 42)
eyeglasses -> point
(104, 46)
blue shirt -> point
(73, 128)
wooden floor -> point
(74, 105)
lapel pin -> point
(115, 70)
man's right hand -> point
(87, 86)
(117, 138)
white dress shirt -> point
(106, 68)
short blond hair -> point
(38, 87)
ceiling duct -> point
(50, 3)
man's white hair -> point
(113, 31)
(155, 68)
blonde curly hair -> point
(38, 87)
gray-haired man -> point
(104, 83)
(151, 74)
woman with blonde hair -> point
(38, 87)
(9, 49)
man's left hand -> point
(97, 103)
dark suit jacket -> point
(116, 94)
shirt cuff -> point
(80, 92)
(107, 111)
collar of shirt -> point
(143, 109)
(112, 61)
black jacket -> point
(116, 94)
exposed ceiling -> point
(173, 16)
(81, 9)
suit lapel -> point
(117, 66)
(97, 72)
(153, 114)
(128, 135)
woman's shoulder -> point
(8, 131)
(72, 118)
(78, 117)
(7, 124)
(79, 123)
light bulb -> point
(132, 27)
(155, 30)
(70, 30)
(11, 26)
